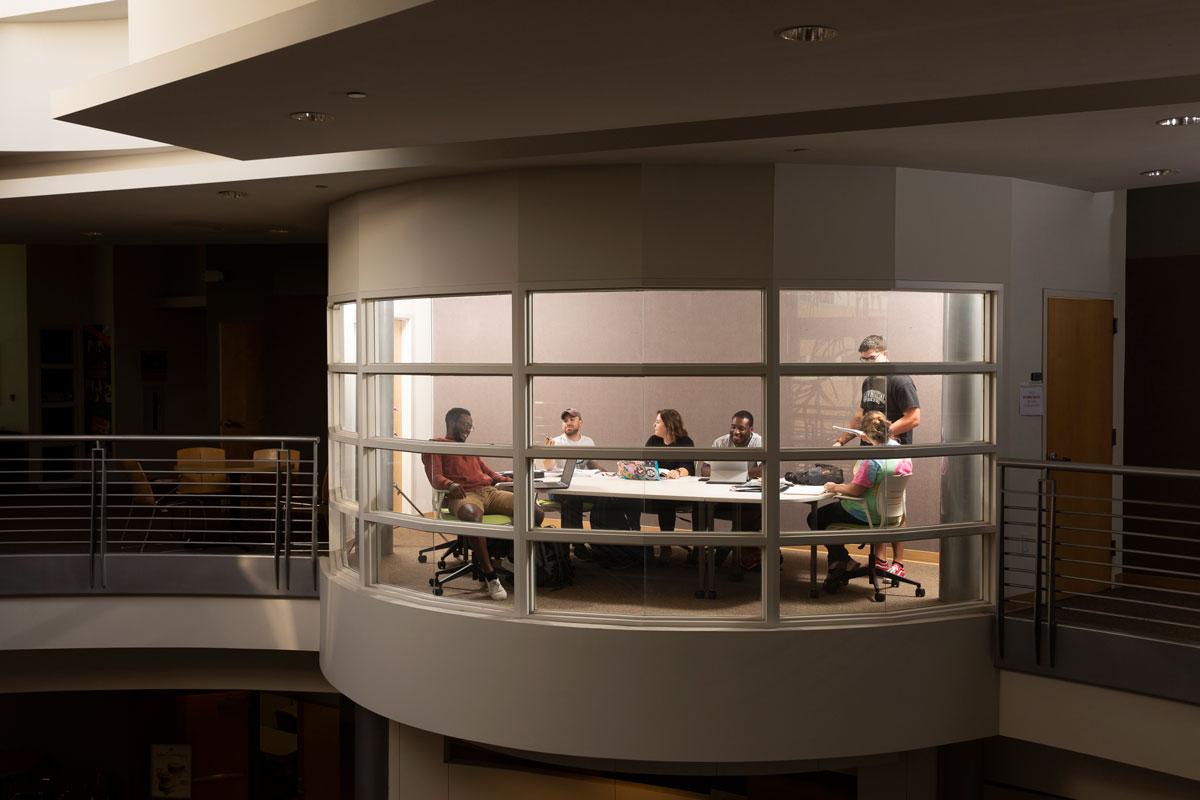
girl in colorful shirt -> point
(868, 479)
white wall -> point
(38, 59)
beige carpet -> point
(653, 590)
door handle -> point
(1053, 456)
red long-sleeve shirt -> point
(468, 472)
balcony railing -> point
(1098, 574)
(160, 515)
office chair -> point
(890, 511)
(459, 546)
(141, 496)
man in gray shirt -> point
(741, 434)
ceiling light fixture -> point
(797, 149)
(320, 186)
(279, 230)
(232, 194)
(807, 33)
(1159, 173)
(92, 234)
(1172, 122)
(311, 116)
(357, 95)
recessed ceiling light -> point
(311, 116)
(357, 95)
(807, 33)
(1159, 173)
(321, 186)
(1187, 119)
(279, 230)
(92, 234)
(797, 149)
(232, 194)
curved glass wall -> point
(448, 436)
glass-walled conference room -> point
(666, 453)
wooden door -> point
(241, 384)
(1079, 424)
(217, 726)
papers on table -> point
(587, 473)
(811, 491)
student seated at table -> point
(668, 431)
(471, 492)
(868, 477)
(572, 436)
(741, 434)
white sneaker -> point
(495, 589)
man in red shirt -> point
(471, 492)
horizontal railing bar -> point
(858, 369)
(21, 437)
(485, 369)
(1155, 570)
(1106, 469)
(1118, 599)
(1122, 532)
(1115, 615)
(1126, 550)
(1138, 586)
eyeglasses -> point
(870, 357)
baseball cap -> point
(571, 412)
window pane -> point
(400, 482)
(343, 469)
(446, 330)
(345, 400)
(343, 536)
(828, 326)
(632, 580)
(415, 406)
(940, 490)
(620, 412)
(953, 407)
(855, 596)
(409, 559)
(344, 329)
(654, 327)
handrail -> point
(108, 513)
(1107, 469)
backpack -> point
(816, 475)
(552, 565)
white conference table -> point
(692, 489)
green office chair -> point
(890, 510)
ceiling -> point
(1064, 93)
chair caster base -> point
(441, 564)
(437, 591)
(699, 594)
(814, 593)
(920, 592)
(433, 582)
(895, 583)
(421, 559)
(879, 597)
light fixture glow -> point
(1174, 122)
(279, 230)
(92, 234)
(311, 116)
(232, 194)
(1159, 173)
(807, 33)
(320, 186)
(357, 95)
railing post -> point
(276, 534)
(1037, 573)
(92, 537)
(1000, 594)
(1051, 568)
(287, 514)
(315, 516)
(103, 516)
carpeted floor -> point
(653, 590)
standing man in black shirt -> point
(899, 402)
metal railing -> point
(160, 515)
(1095, 548)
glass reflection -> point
(442, 330)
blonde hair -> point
(876, 426)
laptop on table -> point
(728, 472)
(564, 480)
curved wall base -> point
(659, 694)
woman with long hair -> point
(668, 431)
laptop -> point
(564, 480)
(728, 472)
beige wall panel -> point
(942, 667)
(418, 768)
(707, 223)
(1133, 729)
(343, 247)
(952, 226)
(114, 622)
(581, 224)
(440, 234)
(834, 222)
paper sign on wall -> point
(1032, 400)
